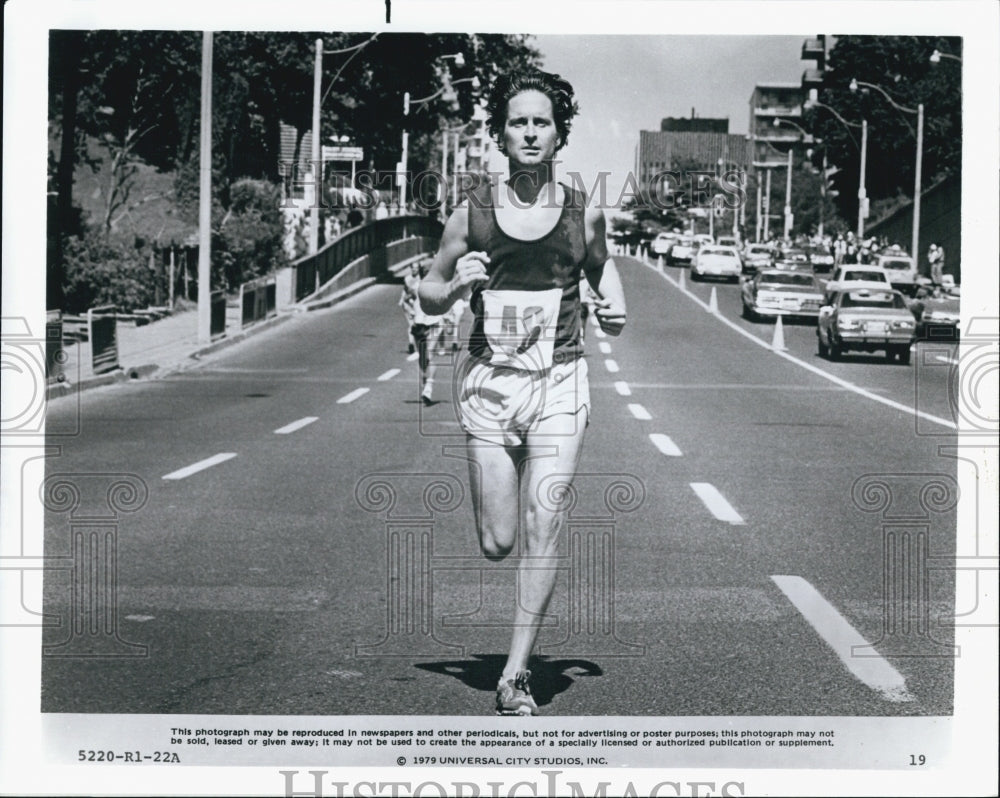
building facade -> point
(660, 151)
(771, 140)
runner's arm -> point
(602, 274)
(454, 269)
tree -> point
(900, 65)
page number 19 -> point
(918, 759)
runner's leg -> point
(493, 478)
(553, 453)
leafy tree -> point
(901, 66)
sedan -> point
(937, 316)
(716, 262)
(757, 256)
(866, 321)
(821, 258)
(773, 292)
(683, 250)
(662, 243)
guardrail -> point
(217, 320)
(371, 240)
(258, 300)
(102, 331)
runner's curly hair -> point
(553, 86)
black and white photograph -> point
(487, 399)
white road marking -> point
(139, 618)
(413, 356)
(600, 333)
(611, 366)
(355, 394)
(623, 389)
(296, 425)
(808, 366)
(716, 503)
(605, 347)
(201, 465)
(639, 412)
(837, 633)
(664, 444)
(388, 375)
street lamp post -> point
(862, 195)
(917, 172)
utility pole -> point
(205, 196)
(767, 207)
(862, 197)
(788, 197)
(443, 184)
(915, 254)
(315, 166)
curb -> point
(341, 295)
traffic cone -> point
(713, 302)
(778, 343)
(659, 264)
(680, 281)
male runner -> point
(520, 247)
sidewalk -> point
(160, 347)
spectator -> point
(935, 257)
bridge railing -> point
(371, 251)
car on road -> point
(900, 269)
(662, 243)
(704, 239)
(757, 256)
(855, 276)
(728, 241)
(776, 292)
(866, 320)
(683, 250)
(937, 315)
(794, 259)
(716, 261)
(821, 258)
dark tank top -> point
(553, 261)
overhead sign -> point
(343, 154)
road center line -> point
(388, 375)
(639, 412)
(605, 347)
(808, 366)
(716, 503)
(296, 425)
(611, 366)
(355, 394)
(201, 465)
(664, 444)
(600, 333)
(623, 389)
(845, 641)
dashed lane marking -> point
(600, 333)
(296, 425)
(639, 412)
(664, 444)
(201, 465)
(809, 367)
(716, 503)
(388, 375)
(623, 389)
(853, 650)
(611, 366)
(355, 394)
(605, 347)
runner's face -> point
(529, 134)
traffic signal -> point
(828, 189)
(814, 49)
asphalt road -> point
(727, 550)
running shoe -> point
(514, 696)
(427, 394)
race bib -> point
(520, 327)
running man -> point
(519, 247)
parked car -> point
(866, 320)
(773, 292)
(937, 315)
(728, 241)
(683, 250)
(662, 243)
(901, 270)
(715, 261)
(757, 256)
